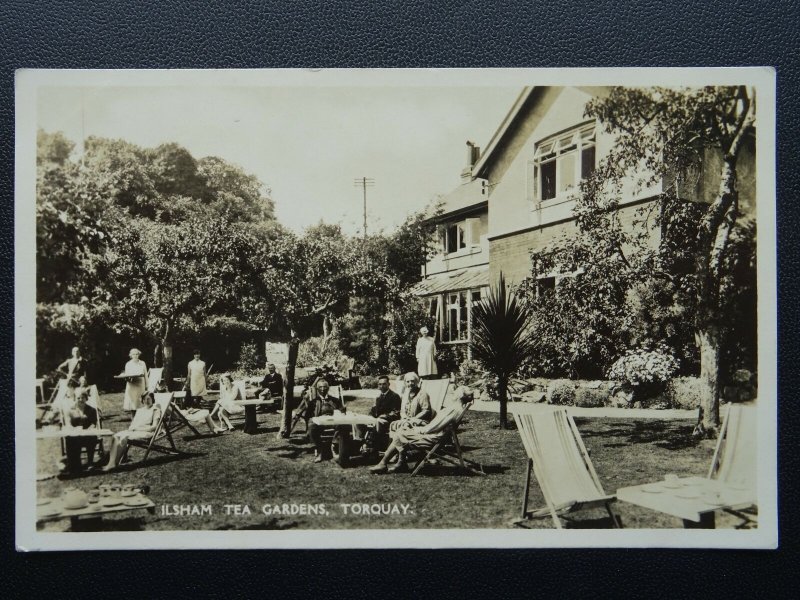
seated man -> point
(272, 384)
(315, 404)
(80, 416)
(386, 411)
(424, 437)
(415, 409)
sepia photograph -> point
(395, 308)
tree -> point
(501, 338)
(662, 136)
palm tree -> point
(501, 338)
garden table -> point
(60, 433)
(53, 509)
(693, 499)
(250, 418)
(344, 419)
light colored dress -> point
(426, 356)
(227, 400)
(137, 387)
(197, 378)
(143, 419)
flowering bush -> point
(644, 367)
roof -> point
(452, 281)
(466, 197)
(505, 125)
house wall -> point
(511, 205)
(511, 253)
(470, 256)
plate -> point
(136, 502)
(43, 501)
(688, 494)
(651, 489)
(49, 511)
(671, 485)
(111, 501)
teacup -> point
(128, 489)
(94, 496)
(105, 490)
(114, 490)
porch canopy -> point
(452, 281)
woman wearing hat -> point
(426, 355)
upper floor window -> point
(560, 162)
(460, 235)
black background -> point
(414, 33)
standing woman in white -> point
(196, 380)
(136, 374)
(426, 354)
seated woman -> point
(424, 437)
(415, 407)
(144, 423)
(226, 405)
(80, 416)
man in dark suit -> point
(386, 410)
(271, 386)
(81, 416)
(317, 403)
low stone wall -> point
(680, 392)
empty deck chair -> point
(153, 379)
(562, 466)
(735, 456)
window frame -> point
(556, 150)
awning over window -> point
(462, 279)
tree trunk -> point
(288, 404)
(166, 345)
(326, 328)
(502, 392)
(708, 341)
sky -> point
(307, 144)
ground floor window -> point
(453, 313)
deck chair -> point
(171, 419)
(562, 466)
(437, 391)
(735, 456)
(447, 448)
(153, 379)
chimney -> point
(473, 153)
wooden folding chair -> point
(447, 447)
(559, 459)
(735, 457)
(153, 379)
(437, 392)
(170, 420)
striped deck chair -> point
(735, 457)
(162, 435)
(562, 466)
(437, 391)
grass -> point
(258, 470)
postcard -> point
(400, 308)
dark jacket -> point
(274, 383)
(387, 405)
(314, 406)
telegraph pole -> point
(364, 183)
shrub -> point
(249, 360)
(563, 394)
(448, 359)
(316, 351)
(368, 381)
(644, 367)
(685, 392)
(590, 398)
(470, 373)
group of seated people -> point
(401, 422)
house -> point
(518, 196)
(455, 278)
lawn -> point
(261, 470)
